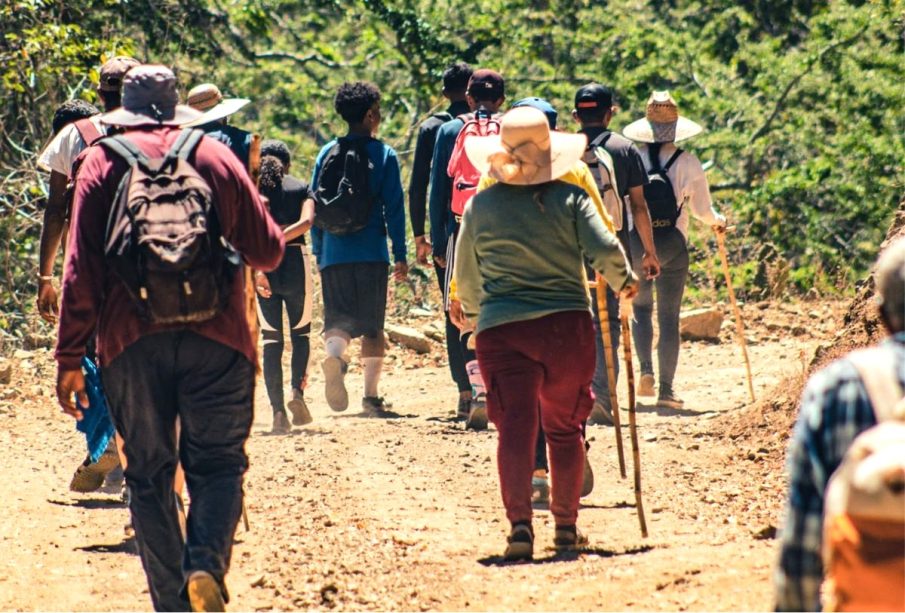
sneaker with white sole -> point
(335, 384)
(646, 385)
(568, 538)
(375, 405)
(520, 543)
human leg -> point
(143, 405)
(270, 316)
(298, 311)
(670, 289)
(643, 306)
(215, 387)
(453, 346)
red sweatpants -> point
(548, 362)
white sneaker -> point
(646, 385)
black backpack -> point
(343, 200)
(163, 238)
(659, 194)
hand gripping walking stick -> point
(625, 308)
(609, 357)
(739, 324)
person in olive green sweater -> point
(519, 275)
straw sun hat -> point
(662, 123)
(525, 152)
(208, 99)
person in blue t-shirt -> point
(208, 99)
(354, 266)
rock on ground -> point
(701, 325)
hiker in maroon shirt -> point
(202, 373)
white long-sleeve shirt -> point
(689, 184)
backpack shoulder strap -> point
(124, 148)
(672, 160)
(601, 140)
(185, 144)
(877, 370)
(88, 131)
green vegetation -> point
(802, 99)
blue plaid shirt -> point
(834, 410)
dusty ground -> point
(361, 513)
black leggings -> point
(291, 286)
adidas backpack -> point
(464, 175)
(659, 193)
(864, 512)
(603, 169)
(343, 200)
(163, 239)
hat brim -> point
(646, 131)
(565, 151)
(224, 108)
(121, 117)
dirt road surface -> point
(358, 513)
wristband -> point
(46, 277)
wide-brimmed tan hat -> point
(662, 123)
(526, 151)
(150, 98)
(208, 99)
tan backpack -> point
(864, 512)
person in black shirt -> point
(593, 111)
(291, 206)
(455, 82)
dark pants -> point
(548, 362)
(291, 286)
(454, 345)
(210, 388)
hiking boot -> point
(204, 592)
(464, 408)
(540, 490)
(375, 404)
(281, 423)
(568, 538)
(89, 477)
(520, 543)
(477, 415)
(301, 416)
(587, 482)
(646, 385)
(600, 415)
(670, 401)
(334, 383)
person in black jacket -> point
(455, 82)
(292, 207)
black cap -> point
(485, 84)
(593, 96)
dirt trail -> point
(361, 513)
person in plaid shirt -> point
(835, 409)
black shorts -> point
(355, 297)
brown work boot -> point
(301, 416)
(204, 592)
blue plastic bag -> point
(96, 424)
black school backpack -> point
(163, 238)
(659, 194)
(343, 200)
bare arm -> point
(51, 236)
(306, 220)
(641, 216)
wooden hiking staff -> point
(624, 309)
(251, 310)
(739, 324)
(610, 367)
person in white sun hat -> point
(676, 189)
(520, 277)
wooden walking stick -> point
(624, 309)
(609, 357)
(739, 324)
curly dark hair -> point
(456, 76)
(270, 183)
(70, 111)
(277, 149)
(353, 100)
